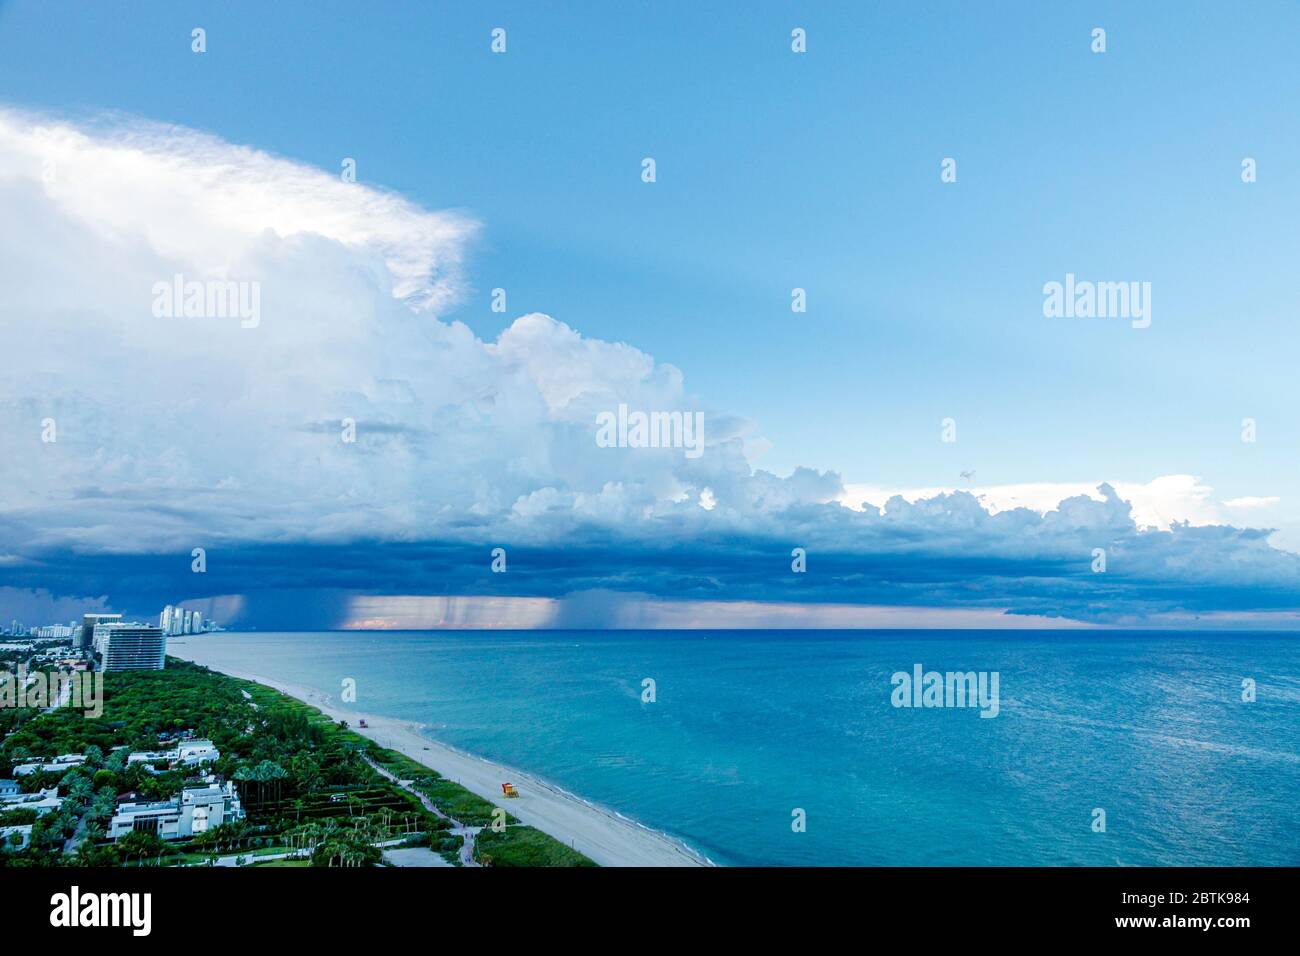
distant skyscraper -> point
(188, 623)
(131, 647)
(198, 623)
(88, 623)
(165, 620)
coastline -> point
(605, 836)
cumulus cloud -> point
(179, 432)
(174, 433)
(1159, 503)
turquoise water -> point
(750, 725)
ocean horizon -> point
(748, 731)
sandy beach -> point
(603, 835)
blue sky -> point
(821, 171)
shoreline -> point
(606, 836)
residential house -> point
(193, 811)
(42, 801)
(62, 762)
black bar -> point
(513, 909)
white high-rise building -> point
(131, 647)
(175, 620)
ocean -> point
(747, 728)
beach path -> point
(459, 829)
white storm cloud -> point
(167, 430)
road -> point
(71, 843)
